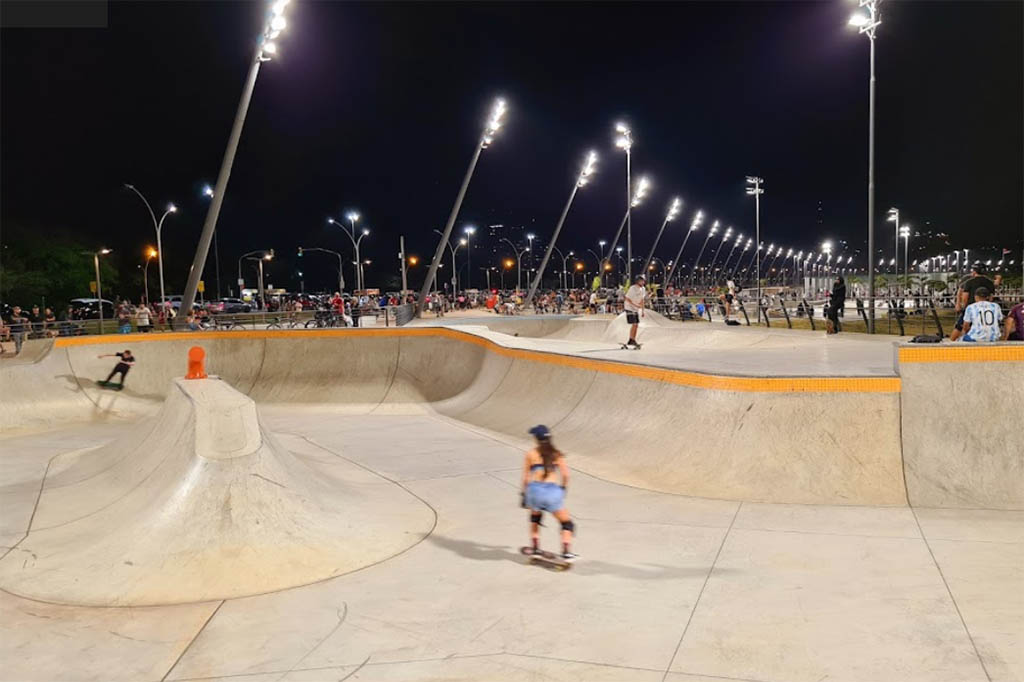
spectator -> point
(191, 324)
(982, 318)
(1013, 329)
(18, 325)
(50, 322)
(965, 296)
(124, 319)
(836, 303)
(35, 319)
(142, 321)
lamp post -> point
(696, 263)
(725, 238)
(894, 217)
(600, 263)
(866, 24)
(99, 285)
(158, 225)
(739, 259)
(624, 141)
(735, 242)
(905, 233)
(618, 253)
(265, 255)
(341, 279)
(352, 218)
(673, 213)
(756, 190)
(519, 261)
(266, 48)
(150, 253)
(494, 124)
(469, 230)
(698, 218)
(454, 249)
(582, 179)
(643, 186)
(208, 192)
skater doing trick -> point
(545, 475)
(122, 367)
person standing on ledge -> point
(541, 492)
(636, 296)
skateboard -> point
(626, 346)
(110, 385)
(546, 559)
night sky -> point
(377, 107)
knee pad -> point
(535, 517)
(569, 526)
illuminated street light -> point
(494, 123)
(725, 238)
(273, 24)
(696, 263)
(99, 285)
(582, 179)
(756, 191)
(735, 242)
(866, 20)
(624, 141)
(739, 259)
(158, 225)
(673, 213)
(150, 254)
(698, 218)
(350, 232)
(640, 191)
(905, 233)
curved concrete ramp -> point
(200, 503)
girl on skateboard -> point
(122, 367)
(541, 493)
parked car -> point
(88, 308)
(229, 306)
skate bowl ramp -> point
(816, 440)
(200, 503)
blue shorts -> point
(549, 497)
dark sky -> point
(378, 106)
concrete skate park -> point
(758, 505)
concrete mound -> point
(200, 503)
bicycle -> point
(288, 323)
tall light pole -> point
(698, 218)
(454, 249)
(352, 218)
(208, 192)
(643, 186)
(696, 263)
(581, 180)
(494, 123)
(469, 231)
(624, 141)
(866, 23)
(735, 242)
(905, 233)
(264, 254)
(756, 190)
(739, 258)
(266, 48)
(673, 213)
(519, 261)
(99, 285)
(894, 217)
(725, 238)
(158, 225)
(150, 254)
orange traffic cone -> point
(196, 363)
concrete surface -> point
(380, 434)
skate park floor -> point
(667, 587)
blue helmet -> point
(540, 432)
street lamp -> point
(866, 23)
(150, 254)
(640, 191)
(491, 128)
(99, 285)
(264, 255)
(519, 262)
(454, 249)
(341, 277)
(274, 23)
(735, 242)
(739, 259)
(894, 217)
(582, 179)
(905, 233)
(756, 190)
(696, 263)
(352, 217)
(725, 238)
(158, 226)
(698, 218)
(673, 213)
(469, 230)
(208, 192)
(624, 141)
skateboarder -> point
(636, 296)
(122, 366)
(541, 492)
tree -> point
(50, 269)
